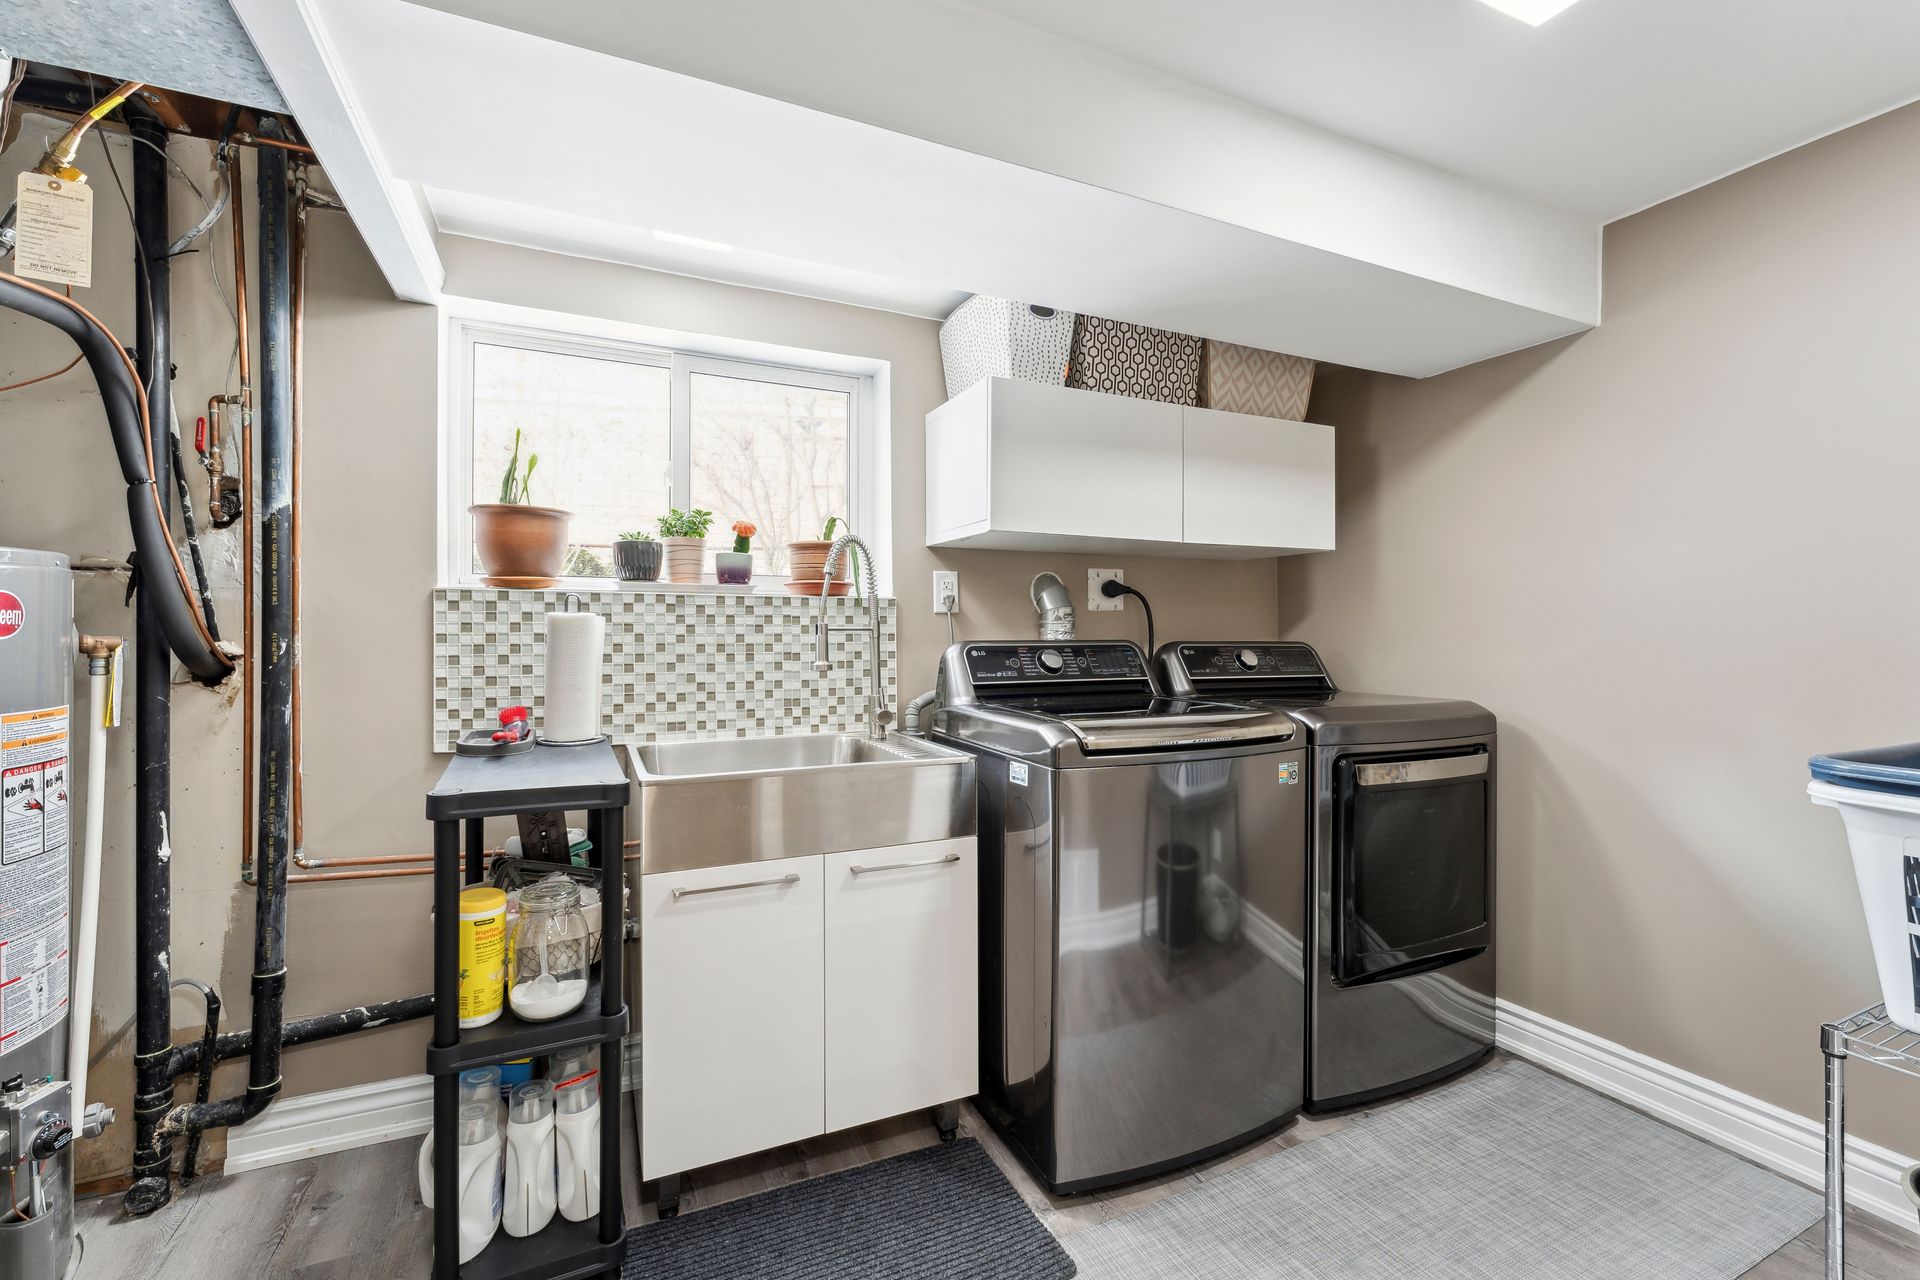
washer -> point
(1143, 864)
(1400, 939)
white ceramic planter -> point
(686, 559)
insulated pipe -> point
(122, 395)
(153, 711)
(99, 651)
(276, 659)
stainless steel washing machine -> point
(1143, 865)
(1401, 935)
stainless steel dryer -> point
(1142, 865)
(1401, 933)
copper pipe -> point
(254, 141)
(59, 158)
(298, 878)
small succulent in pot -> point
(519, 544)
(685, 536)
(736, 566)
(636, 556)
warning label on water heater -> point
(34, 789)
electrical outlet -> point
(1097, 603)
(946, 591)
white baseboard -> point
(316, 1124)
(1781, 1140)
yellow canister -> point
(483, 955)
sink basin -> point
(719, 756)
(724, 801)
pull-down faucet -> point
(878, 716)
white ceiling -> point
(1404, 185)
(1609, 107)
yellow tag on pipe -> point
(53, 230)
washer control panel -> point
(1001, 664)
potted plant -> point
(685, 536)
(807, 560)
(636, 557)
(519, 544)
(735, 567)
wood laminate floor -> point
(357, 1215)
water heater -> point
(36, 853)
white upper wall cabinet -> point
(1024, 466)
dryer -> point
(1400, 928)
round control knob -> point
(1247, 659)
(1051, 662)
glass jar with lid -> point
(549, 952)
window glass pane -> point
(600, 428)
(772, 454)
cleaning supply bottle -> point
(481, 1171)
(577, 1148)
(480, 1084)
(531, 1186)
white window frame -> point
(860, 379)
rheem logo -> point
(13, 614)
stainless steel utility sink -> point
(729, 800)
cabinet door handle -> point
(859, 870)
(792, 877)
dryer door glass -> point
(1411, 845)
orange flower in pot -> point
(735, 567)
(520, 545)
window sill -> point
(662, 587)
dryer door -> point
(1410, 852)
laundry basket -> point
(1877, 792)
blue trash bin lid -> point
(1891, 769)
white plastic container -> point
(531, 1186)
(481, 1171)
(988, 337)
(1883, 832)
(577, 1149)
(480, 1084)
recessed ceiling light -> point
(1531, 12)
(674, 237)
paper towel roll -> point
(570, 711)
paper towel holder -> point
(572, 605)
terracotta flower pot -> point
(805, 560)
(635, 560)
(519, 545)
(686, 559)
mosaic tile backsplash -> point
(679, 664)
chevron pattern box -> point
(997, 338)
(1248, 380)
(1132, 360)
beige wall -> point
(369, 559)
(1675, 555)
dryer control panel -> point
(1265, 668)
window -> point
(624, 430)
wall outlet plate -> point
(946, 591)
(1097, 603)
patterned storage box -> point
(1133, 360)
(1249, 380)
(997, 338)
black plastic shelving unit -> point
(472, 790)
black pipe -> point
(299, 1031)
(152, 879)
(275, 661)
(208, 1060)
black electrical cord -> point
(1113, 588)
